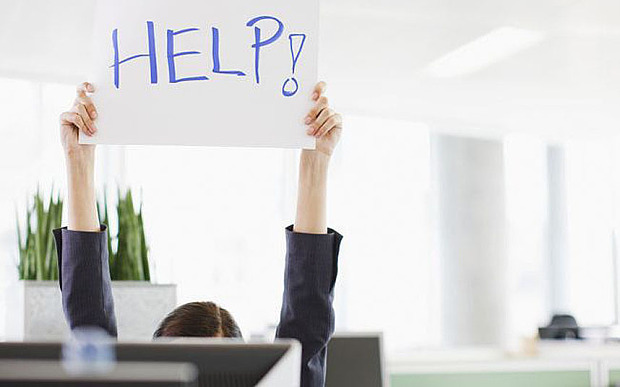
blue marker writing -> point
(295, 55)
(171, 55)
(151, 55)
(216, 56)
(262, 43)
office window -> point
(380, 198)
(585, 282)
(215, 219)
(30, 157)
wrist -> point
(312, 192)
(79, 158)
(80, 169)
(312, 159)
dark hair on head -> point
(198, 319)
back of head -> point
(198, 319)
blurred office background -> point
(477, 184)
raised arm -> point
(326, 125)
(80, 162)
(312, 249)
(82, 246)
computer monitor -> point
(220, 362)
(355, 360)
(51, 373)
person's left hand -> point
(323, 122)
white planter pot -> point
(34, 309)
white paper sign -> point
(201, 72)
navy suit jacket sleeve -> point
(307, 306)
(307, 314)
(84, 277)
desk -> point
(561, 364)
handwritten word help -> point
(261, 41)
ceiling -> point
(376, 57)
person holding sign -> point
(311, 258)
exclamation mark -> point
(290, 86)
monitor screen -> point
(48, 373)
(354, 360)
(220, 362)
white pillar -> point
(470, 193)
(557, 230)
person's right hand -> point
(81, 117)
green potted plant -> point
(37, 306)
(128, 249)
